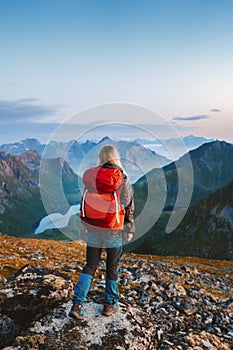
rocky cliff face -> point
(20, 193)
(16, 181)
(166, 303)
(12, 167)
(31, 159)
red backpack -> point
(100, 206)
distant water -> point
(56, 220)
(153, 146)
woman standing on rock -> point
(106, 210)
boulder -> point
(8, 330)
(32, 292)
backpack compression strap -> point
(116, 201)
(117, 207)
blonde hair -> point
(109, 154)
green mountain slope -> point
(212, 164)
(206, 230)
(212, 170)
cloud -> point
(194, 117)
(215, 110)
(27, 110)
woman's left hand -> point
(128, 236)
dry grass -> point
(69, 257)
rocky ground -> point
(166, 302)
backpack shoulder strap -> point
(83, 201)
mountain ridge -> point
(20, 193)
(212, 172)
(75, 152)
(206, 230)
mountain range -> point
(177, 146)
(136, 159)
(26, 204)
(17, 148)
(211, 164)
(138, 156)
(20, 147)
(205, 231)
(21, 206)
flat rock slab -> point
(130, 328)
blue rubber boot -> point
(81, 288)
(112, 297)
(111, 290)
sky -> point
(59, 57)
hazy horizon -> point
(100, 137)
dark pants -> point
(112, 262)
